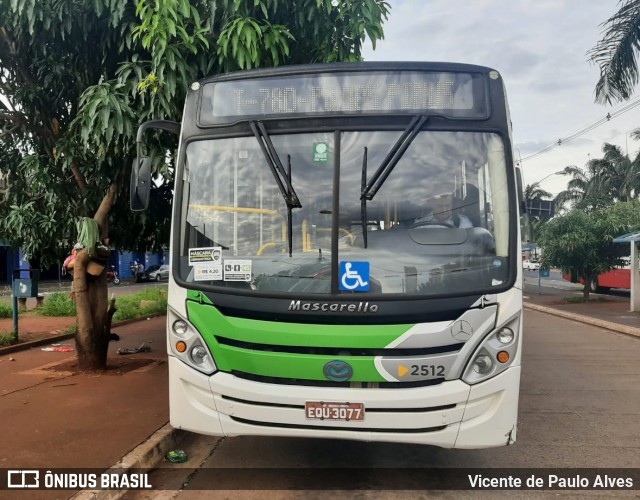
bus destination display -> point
(398, 92)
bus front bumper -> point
(450, 415)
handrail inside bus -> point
(247, 210)
(225, 208)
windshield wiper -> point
(282, 178)
(392, 158)
(363, 200)
(368, 191)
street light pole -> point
(561, 172)
(519, 162)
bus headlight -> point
(483, 363)
(179, 327)
(187, 344)
(198, 354)
(505, 335)
(494, 354)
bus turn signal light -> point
(181, 346)
(503, 356)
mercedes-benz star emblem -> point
(461, 330)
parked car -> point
(154, 273)
(531, 264)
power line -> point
(584, 130)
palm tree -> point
(616, 54)
(532, 225)
(535, 192)
(577, 187)
(615, 175)
(581, 190)
(604, 181)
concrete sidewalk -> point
(606, 311)
(56, 419)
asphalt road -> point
(579, 408)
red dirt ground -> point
(34, 327)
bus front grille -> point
(340, 351)
(328, 383)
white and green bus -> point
(345, 255)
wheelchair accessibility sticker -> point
(354, 276)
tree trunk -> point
(92, 335)
(91, 296)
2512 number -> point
(428, 370)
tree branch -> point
(26, 76)
(8, 132)
(102, 214)
(14, 117)
(77, 175)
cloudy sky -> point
(539, 47)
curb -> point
(144, 456)
(65, 336)
(589, 320)
(34, 343)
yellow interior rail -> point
(247, 210)
(306, 234)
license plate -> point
(321, 410)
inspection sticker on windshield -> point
(320, 152)
(208, 255)
(207, 272)
(237, 270)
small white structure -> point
(634, 267)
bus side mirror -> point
(140, 184)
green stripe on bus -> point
(198, 296)
(210, 322)
(297, 366)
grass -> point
(582, 300)
(127, 306)
(71, 329)
(7, 338)
(6, 311)
(58, 304)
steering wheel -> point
(434, 223)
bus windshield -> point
(438, 224)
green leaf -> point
(105, 112)
(186, 8)
(171, 27)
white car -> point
(154, 273)
(531, 264)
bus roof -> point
(349, 67)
